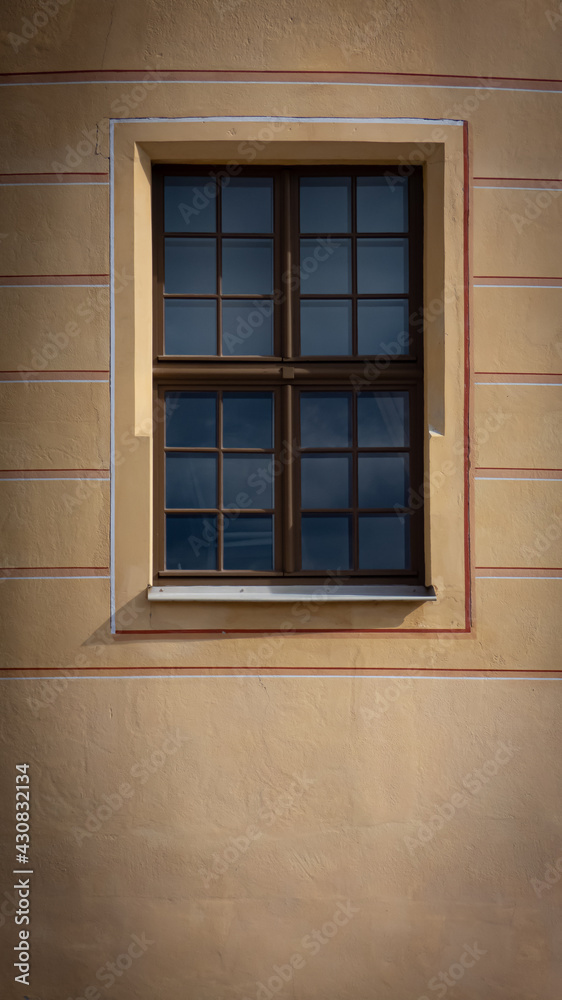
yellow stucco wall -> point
(258, 808)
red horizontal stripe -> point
(538, 180)
(493, 468)
(50, 173)
(280, 671)
(515, 277)
(299, 631)
(289, 72)
(54, 470)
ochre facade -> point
(236, 801)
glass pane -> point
(190, 326)
(191, 541)
(325, 326)
(384, 541)
(382, 204)
(247, 267)
(247, 481)
(325, 204)
(325, 267)
(190, 266)
(382, 266)
(247, 327)
(325, 481)
(248, 542)
(247, 420)
(326, 541)
(247, 205)
(383, 480)
(325, 419)
(382, 419)
(191, 480)
(190, 205)
(191, 419)
(382, 326)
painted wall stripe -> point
(352, 78)
(53, 572)
(66, 280)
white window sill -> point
(297, 592)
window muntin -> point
(332, 491)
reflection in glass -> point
(383, 480)
(382, 419)
(247, 205)
(384, 541)
(247, 327)
(191, 419)
(326, 541)
(248, 420)
(382, 204)
(190, 326)
(190, 266)
(382, 326)
(325, 326)
(325, 204)
(247, 267)
(325, 267)
(191, 480)
(248, 542)
(247, 481)
(325, 419)
(191, 541)
(190, 205)
(382, 266)
(325, 481)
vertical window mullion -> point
(354, 482)
(220, 516)
(288, 526)
(354, 307)
(287, 350)
(218, 224)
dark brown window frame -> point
(287, 374)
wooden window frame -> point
(287, 373)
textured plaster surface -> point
(375, 756)
(336, 780)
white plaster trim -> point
(284, 83)
(518, 479)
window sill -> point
(291, 593)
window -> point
(288, 367)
